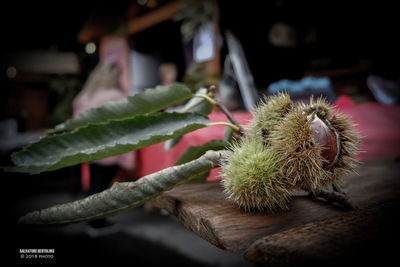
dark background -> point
(348, 31)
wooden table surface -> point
(203, 208)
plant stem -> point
(337, 189)
(332, 196)
(227, 113)
(234, 127)
(209, 99)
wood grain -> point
(355, 237)
(203, 209)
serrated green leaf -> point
(195, 104)
(97, 141)
(228, 134)
(194, 152)
(172, 142)
(122, 196)
(150, 100)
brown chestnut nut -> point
(327, 138)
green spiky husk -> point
(280, 154)
(251, 178)
(297, 155)
(349, 147)
(268, 114)
(320, 106)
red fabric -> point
(378, 124)
(85, 176)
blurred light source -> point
(90, 48)
(204, 43)
(11, 72)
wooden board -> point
(364, 237)
(203, 208)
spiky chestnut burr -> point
(251, 178)
(268, 114)
(349, 140)
(313, 147)
(308, 146)
(298, 156)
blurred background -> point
(346, 52)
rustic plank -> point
(203, 208)
(361, 235)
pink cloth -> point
(115, 49)
(84, 102)
(378, 124)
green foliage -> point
(122, 196)
(228, 134)
(257, 170)
(97, 141)
(149, 101)
(172, 142)
(194, 152)
(195, 104)
(115, 128)
(199, 104)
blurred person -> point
(168, 73)
(103, 85)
